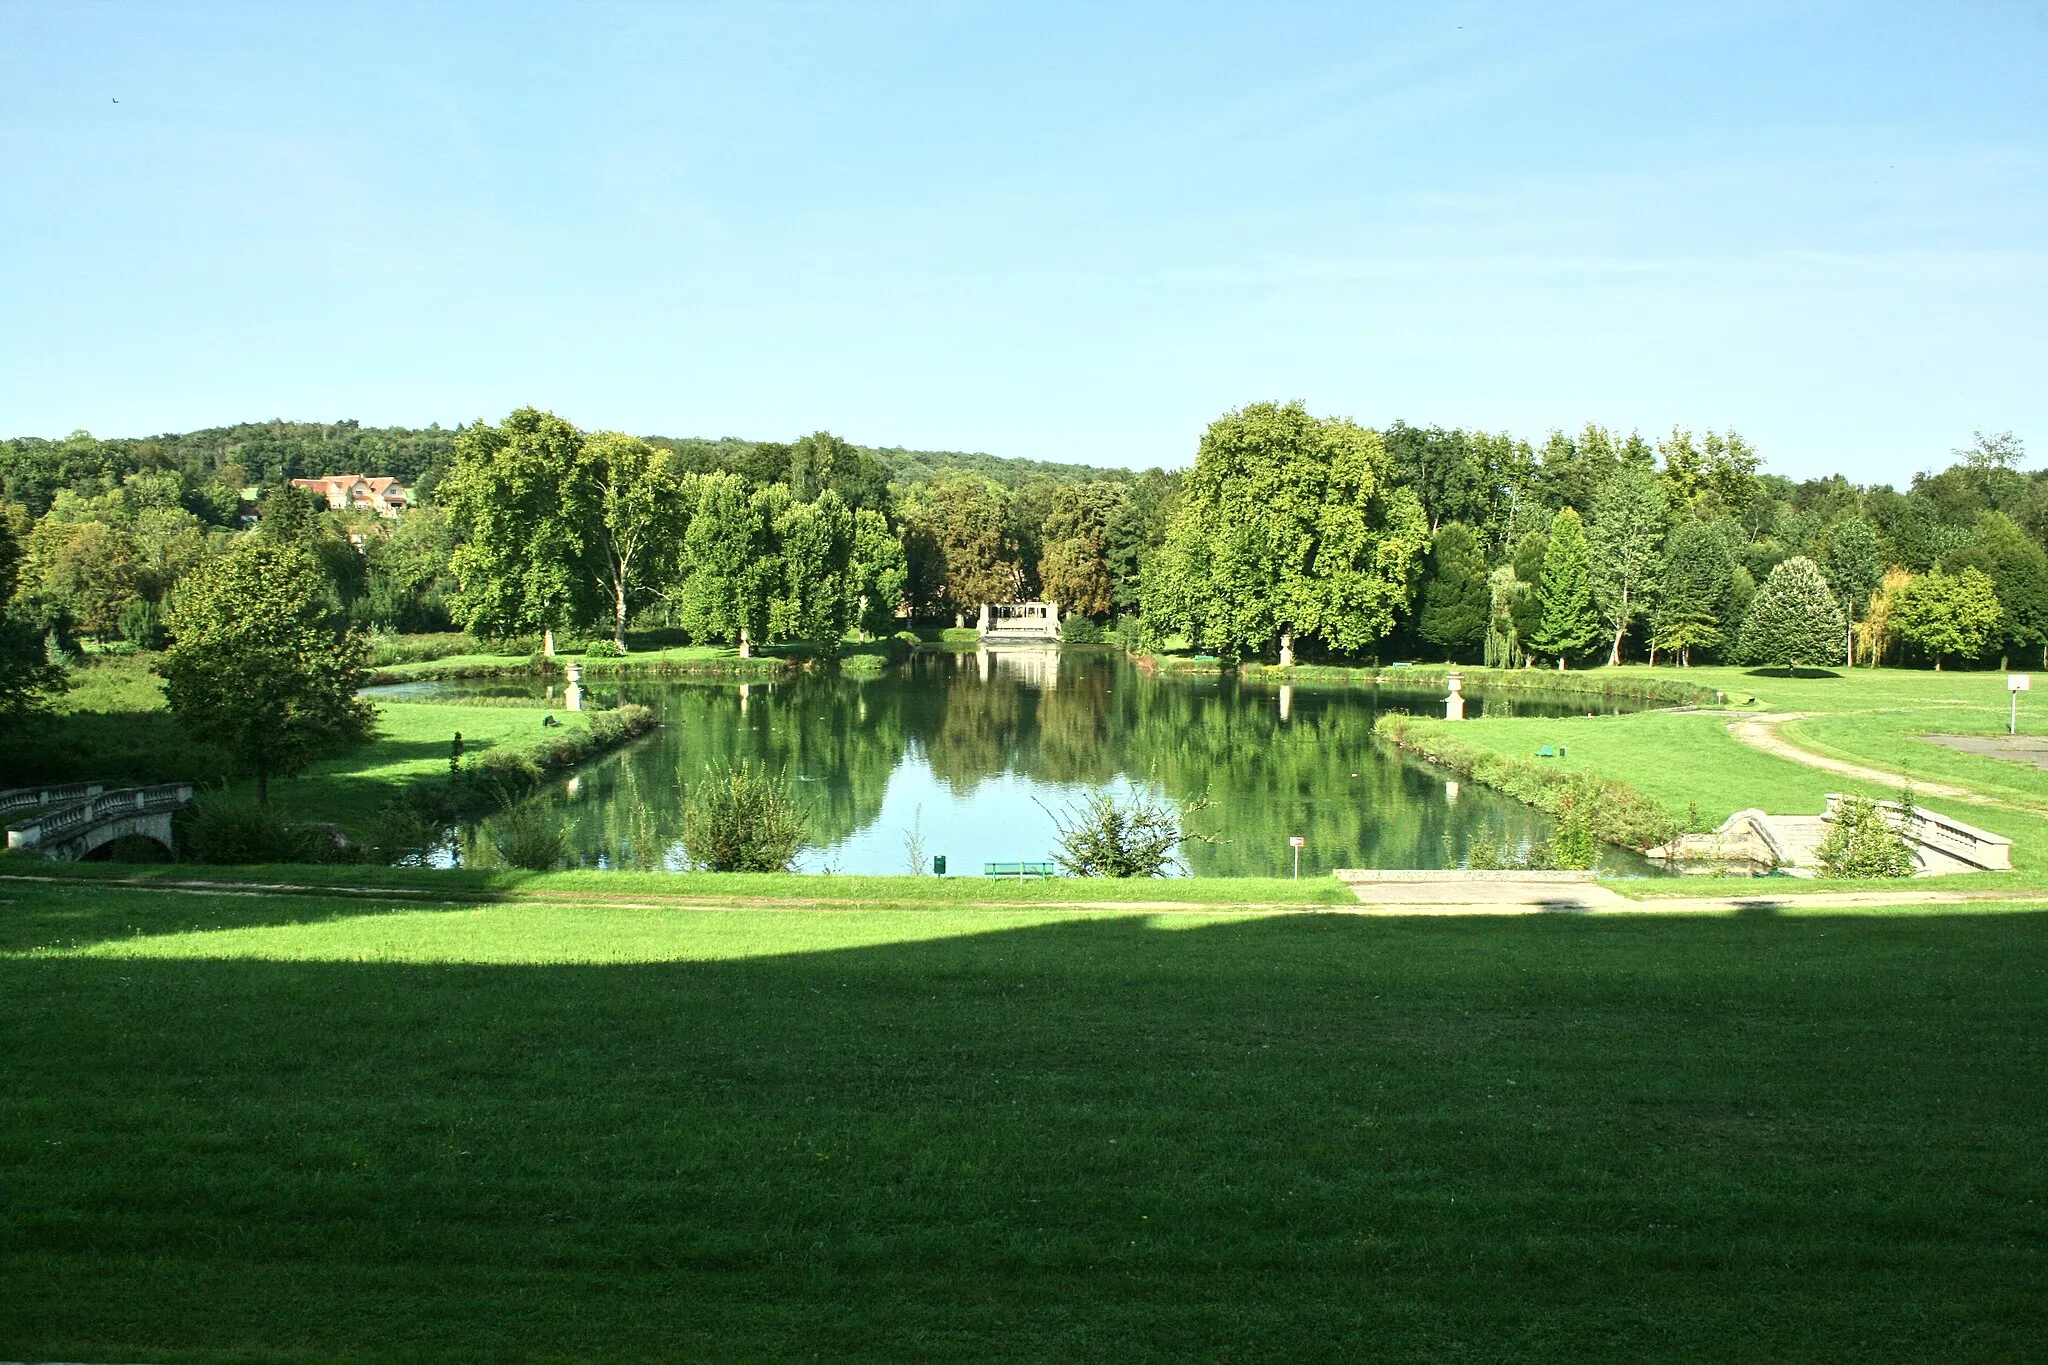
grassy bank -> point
(296, 1129)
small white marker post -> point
(2017, 683)
(1298, 842)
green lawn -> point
(307, 1129)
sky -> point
(1062, 232)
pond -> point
(977, 756)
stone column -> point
(1454, 704)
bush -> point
(742, 820)
(1132, 635)
(223, 830)
(387, 649)
(142, 625)
(528, 837)
(604, 649)
(1079, 630)
(1102, 837)
(900, 646)
(1863, 843)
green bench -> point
(1018, 870)
(1551, 751)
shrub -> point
(223, 829)
(900, 646)
(604, 649)
(741, 819)
(1863, 843)
(1132, 634)
(528, 837)
(142, 624)
(1079, 630)
(1103, 837)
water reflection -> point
(979, 751)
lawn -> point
(264, 1128)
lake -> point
(975, 756)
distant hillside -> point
(32, 468)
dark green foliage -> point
(259, 665)
(1854, 568)
(1862, 843)
(142, 625)
(740, 819)
(1794, 620)
(1570, 620)
(527, 837)
(1079, 630)
(1456, 598)
(2019, 576)
(226, 830)
(1698, 575)
(1105, 837)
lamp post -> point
(1297, 841)
(2017, 683)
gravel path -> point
(1761, 732)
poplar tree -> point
(1794, 620)
(1854, 571)
(879, 573)
(1457, 600)
(1570, 621)
(1629, 515)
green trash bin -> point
(938, 865)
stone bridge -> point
(65, 824)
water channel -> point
(975, 755)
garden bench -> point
(1018, 870)
(1551, 751)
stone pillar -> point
(1287, 649)
(983, 622)
(1454, 704)
(1052, 616)
(572, 695)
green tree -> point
(28, 680)
(1854, 571)
(1627, 535)
(638, 519)
(2019, 575)
(879, 574)
(84, 568)
(408, 572)
(1074, 566)
(1457, 600)
(1794, 620)
(1570, 621)
(1697, 573)
(1948, 614)
(964, 538)
(260, 665)
(524, 511)
(814, 553)
(1289, 525)
(730, 568)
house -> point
(374, 493)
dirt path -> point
(1761, 732)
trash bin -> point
(938, 865)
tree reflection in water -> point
(987, 744)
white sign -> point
(1297, 841)
(2019, 682)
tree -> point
(1074, 558)
(28, 680)
(814, 551)
(2019, 575)
(1570, 622)
(1290, 525)
(823, 461)
(408, 572)
(260, 665)
(1697, 572)
(1948, 614)
(966, 541)
(1628, 548)
(730, 570)
(1457, 600)
(526, 515)
(638, 520)
(84, 568)
(1507, 598)
(1794, 620)
(878, 575)
(1854, 571)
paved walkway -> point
(1761, 732)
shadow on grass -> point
(1100, 1137)
(1777, 672)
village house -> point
(376, 493)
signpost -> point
(2017, 683)
(1298, 842)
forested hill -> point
(34, 468)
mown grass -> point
(303, 1129)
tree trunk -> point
(619, 607)
(746, 646)
(262, 786)
(547, 642)
(1287, 649)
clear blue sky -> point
(1063, 232)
